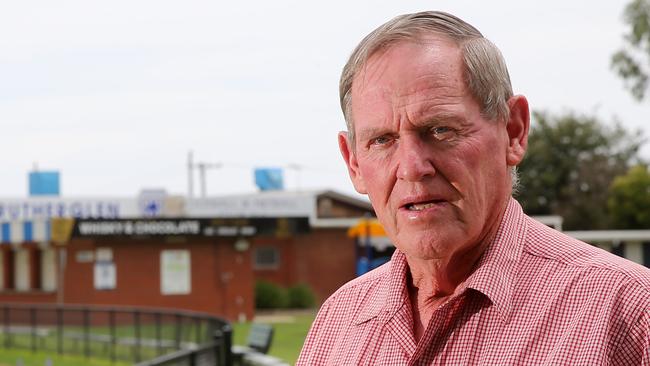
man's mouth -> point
(422, 205)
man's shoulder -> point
(367, 282)
(547, 244)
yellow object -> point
(365, 226)
(61, 230)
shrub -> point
(301, 296)
(270, 296)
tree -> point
(632, 61)
(569, 167)
(629, 199)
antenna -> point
(202, 167)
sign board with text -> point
(175, 272)
(278, 227)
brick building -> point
(175, 252)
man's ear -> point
(350, 158)
(517, 129)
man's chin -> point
(429, 245)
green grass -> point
(22, 344)
(12, 357)
(49, 344)
(287, 340)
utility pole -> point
(190, 174)
(201, 167)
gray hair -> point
(486, 73)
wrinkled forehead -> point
(404, 65)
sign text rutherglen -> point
(28, 209)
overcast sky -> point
(114, 94)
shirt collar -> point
(496, 272)
(391, 293)
(494, 277)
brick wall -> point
(221, 278)
(324, 259)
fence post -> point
(227, 337)
(223, 338)
(32, 321)
(157, 316)
(59, 330)
(136, 321)
(111, 325)
(217, 337)
(7, 325)
(197, 324)
(178, 331)
(86, 325)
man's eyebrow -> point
(369, 133)
(435, 117)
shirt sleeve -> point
(309, 355)
(635, 347)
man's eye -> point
(381, 140)
(442, 132)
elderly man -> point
(434, 136)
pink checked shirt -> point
(537, 297)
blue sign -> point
(44, 183)
(269, 179)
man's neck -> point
(431, 282)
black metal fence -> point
(126, 334)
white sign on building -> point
(48, 207)
(147, 204)
(105, 276)
(175, 272)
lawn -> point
(21, 345)
(290, 330)
(27, 358)
(289, 335)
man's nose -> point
(414, 160)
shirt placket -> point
(429, 350)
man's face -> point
(435, 169)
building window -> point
(266, 258)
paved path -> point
(280, 316)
